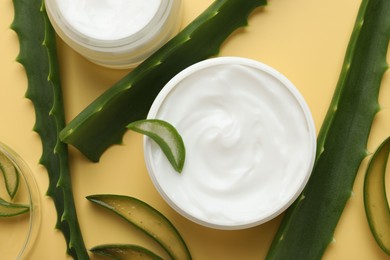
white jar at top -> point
(115, 33)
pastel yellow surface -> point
(305, 40)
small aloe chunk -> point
(375, 199)
(124, 252)
(8, 209)
(166, 136)
(10, 173)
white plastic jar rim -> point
(170, 86)
(152, 28)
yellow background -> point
(303, 39)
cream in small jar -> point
(250, 143)
(115, 33)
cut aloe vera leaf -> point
(309, 224)
(10, 173)
(38, 55)
(375, 199)
(8, 209)
(103, 123)
(166, 136)
(125, 252)
(147, 219)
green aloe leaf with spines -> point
(104, 122)
(39, 58)
(309, 224)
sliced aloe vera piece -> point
(148, 220)
(375, 199)
(124, 252)
(8, 209)
(166, 136)
(10, 173)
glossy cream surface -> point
(108, 19)
(249, 143)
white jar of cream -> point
(115, 33)
(250, 143)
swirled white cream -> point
(249, 139)
(108, 19)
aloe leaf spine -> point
(104, 121)
(39, 58)
(308, 226)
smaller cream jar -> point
(250, 143)
(115, 33)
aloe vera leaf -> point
(39, 58)
(10, 173)
(116, 251)
(308, 226)
(375, 198)
(148, 220)
(166, 136)
(8, 209)
(104, 121)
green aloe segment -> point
(8, 209)
(375, 199)
(309, 224)
(166, 136)
(125, 252)
(10, 173)
(39, 58)
(104, 122)
(147, 219)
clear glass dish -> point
(18, 233)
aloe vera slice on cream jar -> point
(250, 143)
(115, 33)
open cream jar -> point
(250, 143)
(115, 33)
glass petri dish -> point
(18, 233)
